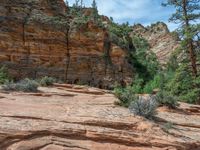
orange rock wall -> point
(33, 49)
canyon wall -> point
(162, 42)
(32, 49)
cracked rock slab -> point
(84, 118)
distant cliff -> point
(162, 41)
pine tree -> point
(67, 3)
(95, 11)
(94, 4)
(187, 11)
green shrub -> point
(137, 85)
(184, 85)
(192, 96)
(119, 34)
(8, 86)
(153, 84)
(3, 75)
(25, 85)
(125, 95)
(166, 99)
(145, 107)
(47, 81)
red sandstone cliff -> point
(32, 49)
(31, 45)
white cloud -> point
(133, 11)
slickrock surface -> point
(162, 42)
(31, 48)
(67, 117)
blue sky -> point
(134, 11)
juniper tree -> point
(187, 12)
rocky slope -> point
(33, 49)
(162, 41)
(81, 118)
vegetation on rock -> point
(185, 82)
(145, 107)
(164, 98)
(184, 85)
(125, 95)
(26, 85)
(179, 80)
(47, 81)
(4, 77)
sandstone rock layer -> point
(67, 117)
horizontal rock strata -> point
(79, 118)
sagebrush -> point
(144, 106)
(26, 85)
(47, 81)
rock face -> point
(66, 117)
(161, 41)
(32, 49)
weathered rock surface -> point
(162, 42)
(32, 49)
(66, 117)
